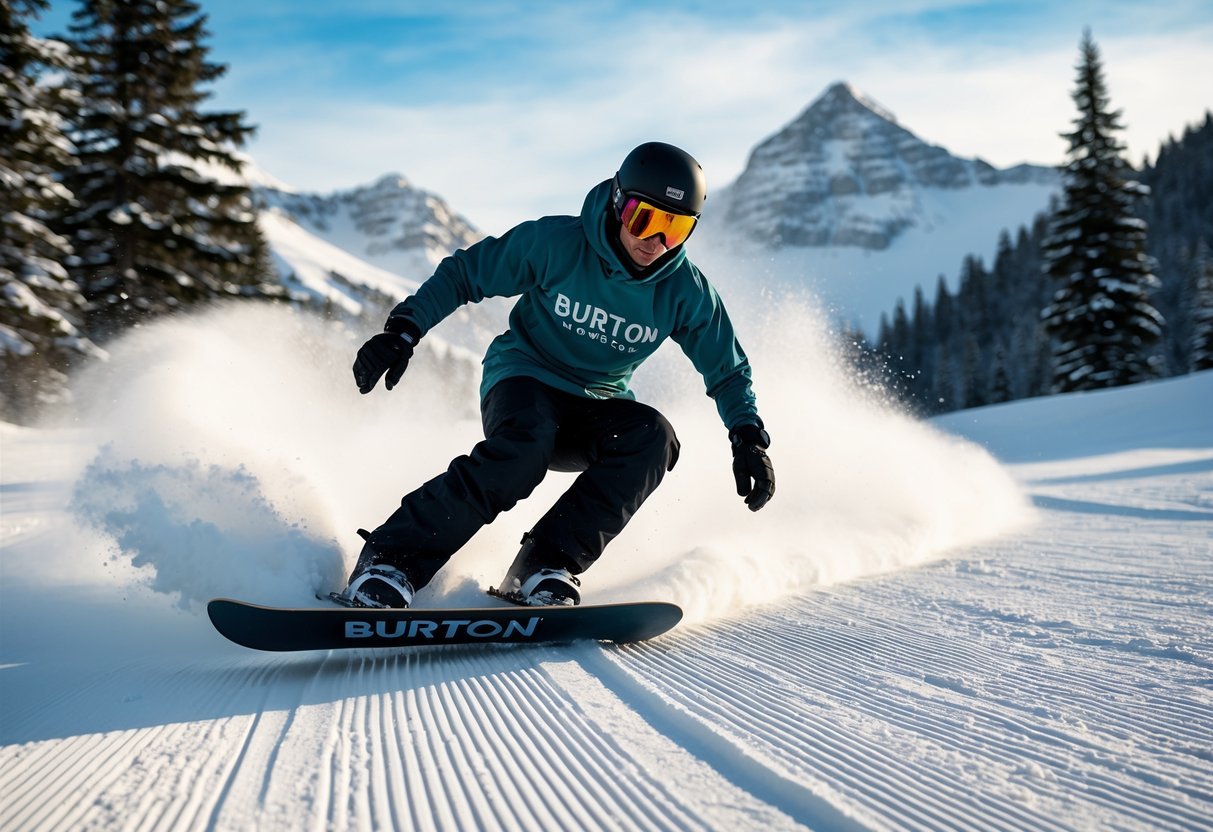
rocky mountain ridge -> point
(845, 173)
(385, 222)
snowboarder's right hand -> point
(388, 352)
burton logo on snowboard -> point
(309, 628)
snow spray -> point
(237, 458)
(861, 489)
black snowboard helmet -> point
(664, 175)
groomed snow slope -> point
(906, 639)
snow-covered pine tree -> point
(1101, 319)
(155, 230)
(40, 307)
(1202, 308)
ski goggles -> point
(644, 219)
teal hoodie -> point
(584, 322)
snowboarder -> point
(599, 293)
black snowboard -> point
(282, 628)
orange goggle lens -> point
(643, 219)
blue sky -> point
(514, 109)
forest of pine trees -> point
(1004, 335)
(1180, 215)
(983, 343)
(107, 218)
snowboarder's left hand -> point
(388, 352)
(752, 467)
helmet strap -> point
(617, 197)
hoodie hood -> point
(596, 221)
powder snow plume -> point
(861, 488)
(237, 458)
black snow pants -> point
(623, 449)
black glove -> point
(388, 352)
(751, 466)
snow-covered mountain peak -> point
(391, 214)
(390, 182)
(845, 173)
(391, 224)
(840, 99)
(366, 248)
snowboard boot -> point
(550, 588)
(380, 587)
(375, 583)
(538, 580)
